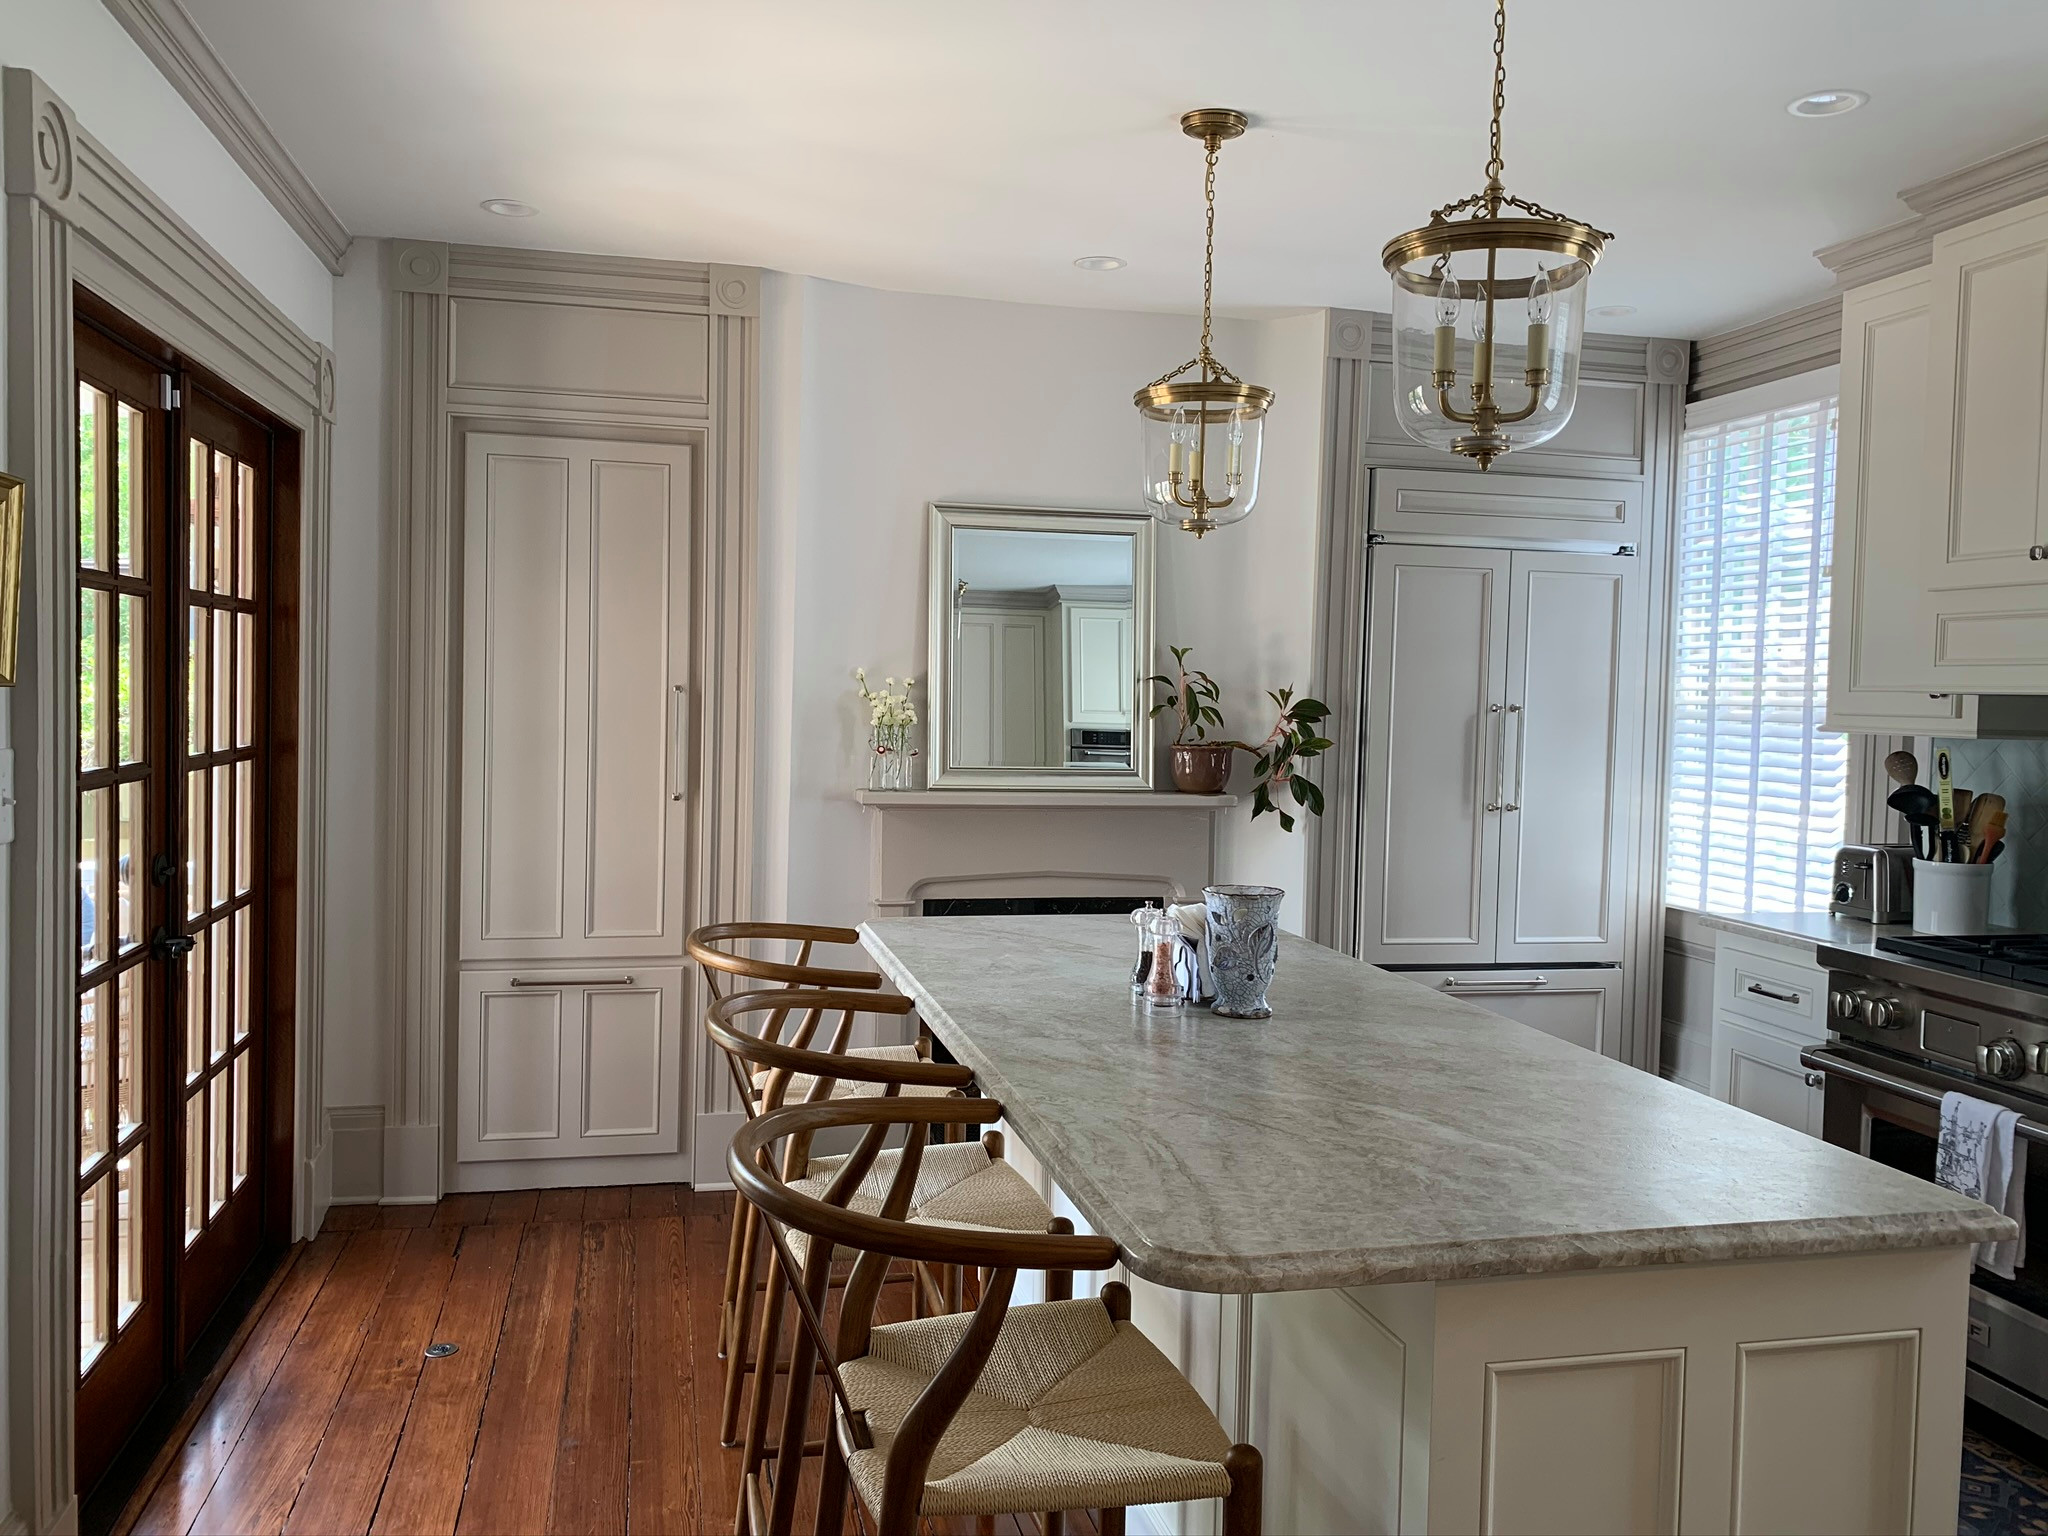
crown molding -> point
(1797, 341)
(167, 33)
(2004, 180)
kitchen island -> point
(1451, 1274)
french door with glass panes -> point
(173, 634)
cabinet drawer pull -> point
(572, 981)
(2038, 552)
(1777, 997)
(1514, 983)
(1815, 1080)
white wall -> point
(357, 624)
(875, 404)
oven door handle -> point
(1821, 1060)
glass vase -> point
(892, 758)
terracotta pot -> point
(1200, 768)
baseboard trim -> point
(568, 1172)
(355, 1143)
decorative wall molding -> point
(736, 291)
(429, 412)
(2004, 180)
(1797, 341)
(77, 217)
(172, 39)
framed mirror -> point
(1041, 629)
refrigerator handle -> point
(1500, 757)
(1521, 752)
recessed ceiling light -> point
(1827, 103)
(1614, 311)
(508, 208)
(1100, 263)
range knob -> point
(1882, 1013)
(2005, 1059)
(1847, 1005)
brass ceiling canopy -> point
(1472, 257)
(1194, 425)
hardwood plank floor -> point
(583, 1396)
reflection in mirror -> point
(1042, 667)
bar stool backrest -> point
(715, 949)
(877, 1238)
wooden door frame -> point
(78, 218)
(430, 408)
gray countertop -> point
(1372, 1130)
(1807, 928)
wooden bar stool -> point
(1038, 1409)
(715, 947)
(966, 1182)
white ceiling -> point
(977, 146)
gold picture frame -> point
(13, 502)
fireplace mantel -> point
(953, 843)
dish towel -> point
(1193, 961)
(1981, 1155)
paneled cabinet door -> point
(1881, 506)
(575, 656)
(1762, 1073)
(1984, 626)
(998, 715)
(1580, 1005)
(1437, 665)
(1568, 749)
(1099, 665)
(583, 1064)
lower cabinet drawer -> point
(1760, 1071)
(576, 1063)
(1779, 988)
(1580, 1005)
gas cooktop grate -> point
(2020, 957)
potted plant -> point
(1202, 767)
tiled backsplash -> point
(2017, 770)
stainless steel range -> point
(1925, 1016)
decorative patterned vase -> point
(1244, 946)
(1200, 768)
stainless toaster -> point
(1874, 882)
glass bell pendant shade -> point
(1202, 442)
(1487, 342)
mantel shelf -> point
(1039, 800)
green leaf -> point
(1286, 822)
(1300, 789)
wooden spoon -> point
(1903, 767)
(1984, 809)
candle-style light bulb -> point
(1536, 360)
(1444, 365)
(1540, 298)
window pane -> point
(128, 1238)
(245, 685)
(128, 493)
(90, 418)
(196, 993)
(127, 895)
(196, 676)
(93, 1242)
(245, 966)
(1758, 793)
(198, 531)
(91, 711)
(95, 851)
(245, 538)
(217, 1139)
(222, 831)
(242, 1122)
(128, 677)
(128, 1052)
(195, 842)
(220, 971)
(195, 1165)
(245, 826)
(223, 521)
(223, 677)
(92, 1080)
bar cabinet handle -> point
(572, 981)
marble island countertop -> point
(1372, 1130)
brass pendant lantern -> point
(1202, 423)
(1489, 311)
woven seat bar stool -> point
(1039, 1409)
(716, 948)
(965, 1182)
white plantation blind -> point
(1758, 793)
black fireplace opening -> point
(1034, 906)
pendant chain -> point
(1208, 246)
(1494, 164)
